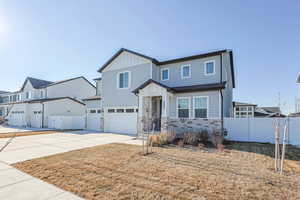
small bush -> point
(217, 140)
(190, 138)
(162, 138)
(203, 136)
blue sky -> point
(57, 39)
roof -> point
(71, 79)
(182, 89)
(3, 92)
(97, 79)
(92, 98)
(36, 83)
(44, 100)
(271, 109)
(235, 103)
(121, 51)
(204, 55)
(298, 79)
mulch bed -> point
(119, 171)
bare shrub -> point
(190, 138)
(203, 136)
(217, 140)
(180, 143)
(162, 138)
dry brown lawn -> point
(25, 133)
(118, 171)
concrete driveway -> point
(15, 184)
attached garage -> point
(120, 120)
(94, 114)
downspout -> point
(43, 109)
(222, 98)
(137, 118)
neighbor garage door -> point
(120, 120)
(17, 118)
(94, 119)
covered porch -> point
(154, 106)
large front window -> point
(123, 80)
(183, 105)
(201, 107)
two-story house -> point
(38, 99)
(193, 91)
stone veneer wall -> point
(181, 126)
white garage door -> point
(17, 118)
(94, 119)
(36, 119)
(121, 120)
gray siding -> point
(197, 73)
(213, 103)
(114, 97)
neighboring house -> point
(248, 110)
(38, 99)
(243, 110)
(189, 91)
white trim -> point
(190, 74)
(161, 74)
(129, 80)
(189, 99)
(207, 106)
(205, 72)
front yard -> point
(118, 171)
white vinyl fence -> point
(261, 129)
(66, 122)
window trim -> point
(207, 107)
(118, 80)
(189, 107)
(190, 71)
(161, 74)
(205, 70)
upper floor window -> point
(123, 80)
(183, 107)
(186, 71)
(165, 74)
(42, 94)
(201, 107)
(209, 67)
(28, 95)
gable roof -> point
(153, 60)
(36, 83)
(125, 50)
(182, 89)
(71, 79)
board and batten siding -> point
(213, 103)
(62, 107)
(77, 88)
(115, 97)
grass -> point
(25, 133)
(119, 171)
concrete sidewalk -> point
(17, 185)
